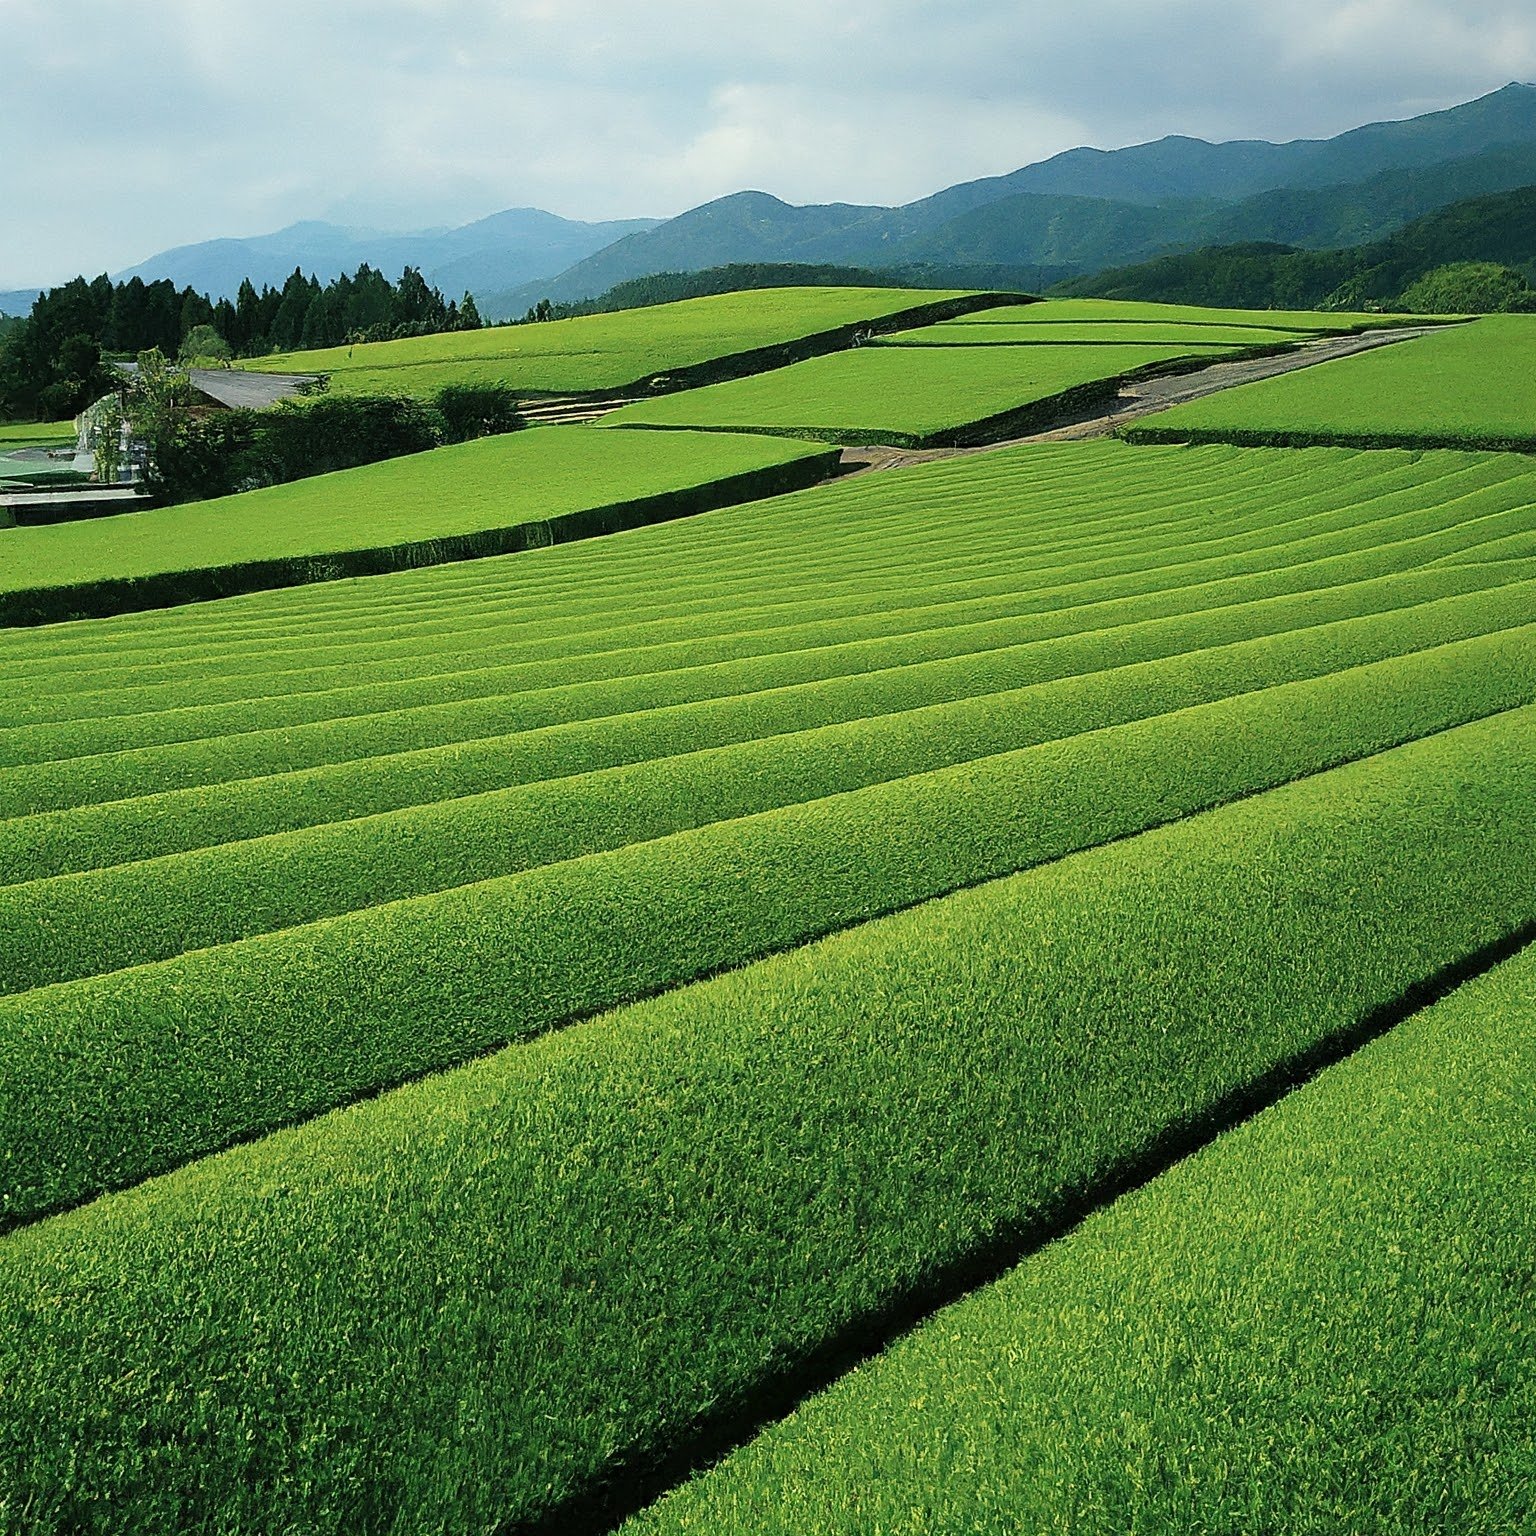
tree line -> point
(51, 363)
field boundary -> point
(1259, 437)
(780, 354)
(119, 595)
(1032, 417)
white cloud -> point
(127, 126)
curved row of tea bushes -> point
(97, 829)
(925, 576)
(1029, 509)
(91, 778)
(110, 1079)
(429, 600)
(80, 924)
(971, 660)
(1315, 1324)
(422, 1313)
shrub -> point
(477, 410)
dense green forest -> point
(51, 363)
(1459, 243)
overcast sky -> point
(128, 127)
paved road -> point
(1152, 396)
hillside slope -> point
(1500, 228)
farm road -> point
(1151, 396)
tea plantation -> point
(992, 995)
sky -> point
(130, 127)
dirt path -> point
(1149, 397)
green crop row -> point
(173, 821)
(1043, 493)
(431, 604)
(903, 607)
(1469, 386)
(111, 757)
(110, 1079)
(422, 1313)
(42, 786)
(1316, 1325)
(604, 626)
(80, 924)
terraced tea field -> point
(480, 1041)
(605, 352)
(1078, 312)
(913, 396)
(1469, 386)
(1001, 371)
(489, 496)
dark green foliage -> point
(1469, 288)
(476, 410)
(204, 346)
(201, 457)
(331, 432)
(1499, 229)
(49, 361)
(223, 452)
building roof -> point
(238, 389)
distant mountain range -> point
(524, 241)
(1087, 209)
(1074, 214)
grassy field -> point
(1331, 1289)
(33, 434)
(597, 352)
(904, 395)
(474, 489)
(1469, 385)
